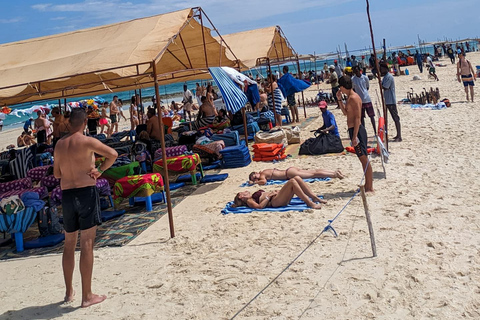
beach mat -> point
(280, 182)
(42, 242)
(296, 204)
(207, 178)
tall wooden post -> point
(164, 154)
(377, 65)
(369, 221)
(300, 76)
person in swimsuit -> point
(358, 135)
(133, 113)
(466, 74)
(274, 199)
(103, 119)
(263, 176)
(75, 166)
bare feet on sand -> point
(93, 299)
(317, 206)
(69, 297)
(339, 174)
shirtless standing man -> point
(356, 130)
(75, 166)
(115, 113)
(466, 74)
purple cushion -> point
(50, 182)
(36, 174)
(171, 151)
(41, 191)
(19, 184)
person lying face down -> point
(263, 176)
(279, 198)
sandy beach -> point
(425, 217)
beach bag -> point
(273, 136)
(48, 223)
(322, 144)
(292, 134)
(11, 205)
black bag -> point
(322, 144)
(48, 223)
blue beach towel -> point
(296, 204)
(273, 182)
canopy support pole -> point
(270, 82)
(203, 38)
(244, 115)
(377, 65)
(164, 154)
(300, 76)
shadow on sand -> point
(49, 311)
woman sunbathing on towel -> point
(263, 176)
(279, 198)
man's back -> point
(388, 84)
(76, 159)
(153, 128)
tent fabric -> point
(292, 85)
(232, 95)
(250, 45)
(75, 63)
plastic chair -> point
(168, 123)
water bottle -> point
(406, 72)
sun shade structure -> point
(162, 49)
(233, 96)
(253, 46)
(115, 57)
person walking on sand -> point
(419, 61)
(75, 166)
(358, 134)
(431, 67)
(466, 74)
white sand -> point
(426, 222)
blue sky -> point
(310, 25)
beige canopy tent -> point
(253, 46)
(145, 52)
(115, 57)
(262, 47)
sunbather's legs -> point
(311, 174)
(306, 189)
(68, 263)
(287, 192)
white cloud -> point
(42, 6)
(13, 20)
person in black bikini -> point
(263, 176)
(280, 198)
